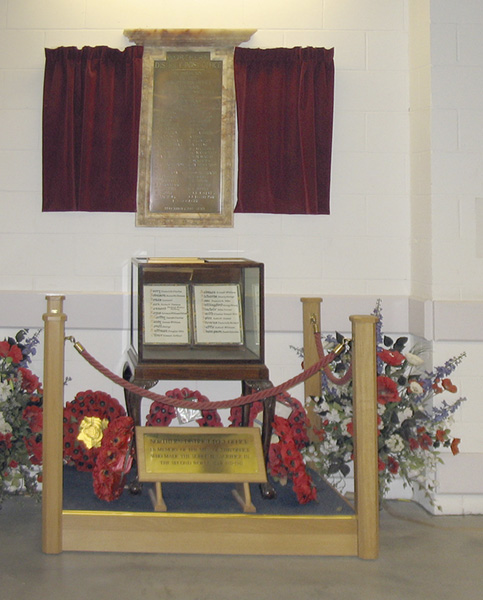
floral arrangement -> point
(413, 426)
(20, 417)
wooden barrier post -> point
(53, 407)
(364, 385)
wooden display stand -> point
(109, 531)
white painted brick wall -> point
(362, 249)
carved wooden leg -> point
(133, 408)
(266, 489)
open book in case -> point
(198, 317)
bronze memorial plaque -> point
(186, 134)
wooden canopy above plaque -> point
(187, 127)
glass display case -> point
(197, 315)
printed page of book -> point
(166, 314)
(217, 314)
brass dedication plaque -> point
(186, 134)
(200, 454)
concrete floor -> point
(421, 557)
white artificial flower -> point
(381, 409)
(343, 427)
(415, 387)
(4, 426)
(414, 359)
(407, 413)
(395, 443)
(334, 415)
(322, 407)
(5, 390)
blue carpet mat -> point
(212, 498)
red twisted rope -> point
(240, 401)
(330, 376)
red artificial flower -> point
(425, 441)
(391, 357)
(320, 433)
(30, 382)
(381, 465)
(281, 426)
(393, 465)
(350, 428)
(291, 457)
(441, 435)
(13, 352)
(436, 388)
(303, 488)
(413, 443)
(6, 438)
(160, 414)
(236, 414)
(449, 386)
(33, 443)
(387, 390)
(454, 446)
(276, 466)
(34, 417)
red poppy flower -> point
(387, 390)
(236, 414)
(454, 446)
(449, 386)
(391, 357)
(304, 489)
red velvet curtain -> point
(285, 100)
(92, 100)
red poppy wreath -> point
(114, 460)
(161, 414)
(85, 420)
